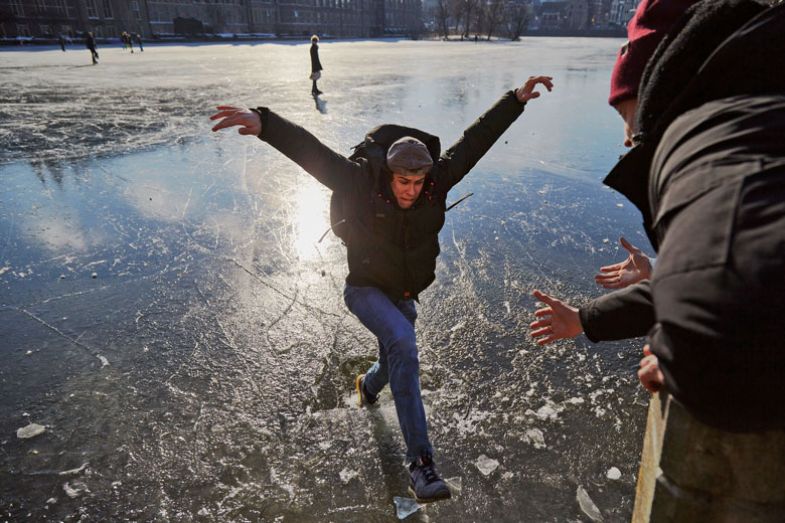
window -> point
(92, 9)
(108, 9)
(22, 30)
(44, 29)
(17, 9)
(135, 9)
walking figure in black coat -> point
(316, 65)
(90, 44)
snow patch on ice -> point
(75, 471)
(535, 438)
(347, 475)
(75, 489)
(468, 424)
(30, 431)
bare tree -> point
(464, 10)
(442, 15)
(494, 15)
(517, 19)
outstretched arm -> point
(330, 168)
(464, 154)
(621, 314)
(625, 313)
(635, 268)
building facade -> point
(152, 18)
(51, 18)
(621, 11)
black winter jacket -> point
(316, 65)
(719, 49)
(390, 248)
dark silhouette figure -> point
(61, 40)
(316, 65)
(90, 44)
(138, 39)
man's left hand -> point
(649, 374)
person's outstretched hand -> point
(649, 373)
(248, 121)
(556, 321)
(526, 92)
(635, 268)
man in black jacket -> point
(707, 172)
(396, 209)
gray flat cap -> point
(410, 154)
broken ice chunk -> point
(486, 465)
(30, 431)
(613, 473)
(405, 507)
(454, 484)
(587, 505)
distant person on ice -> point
(394, 199)
(90, 44)
(316, 65)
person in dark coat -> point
(316, 65)
(90, 44)
(399, 202)
(138, 39)
(61, 41)
(707, 172)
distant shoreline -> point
(6, 43)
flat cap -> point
(410, 154)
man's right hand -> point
(526, 92)
(557, 321)
(248, 121)
(635, 268)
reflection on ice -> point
(310, 205)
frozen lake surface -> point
(168, 317)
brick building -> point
(108, 18)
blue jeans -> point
(393, 325)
